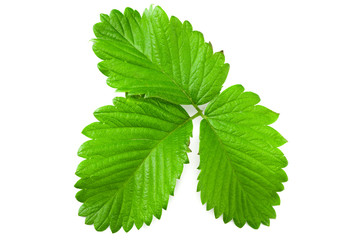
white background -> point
(301, 57)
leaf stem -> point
(197, 108)
(196, 115)
(199, 113)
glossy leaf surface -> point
(136, 153)
(139, 145)
(240, 163)
(158, 56)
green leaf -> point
(158, 57)
(139, 145)
(137, 152)
(240, 163)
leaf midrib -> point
(123, 186)
(226, 155)
(160, 141)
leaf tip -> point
(114, 227)
(127, 227)
(104, 17)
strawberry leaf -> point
(158, 57)
(241, 166)
(136, 153)
(139, 144)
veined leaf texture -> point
(139, 145)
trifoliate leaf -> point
(137, 152)
(139, 145)
(158, 57)
(241, 166)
